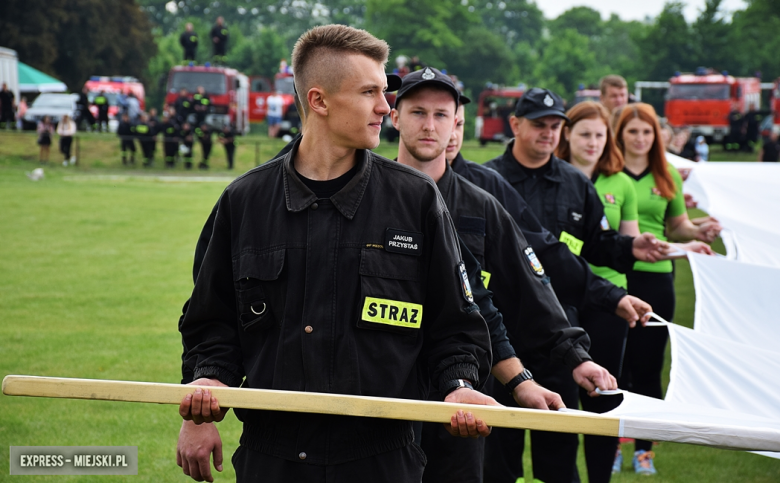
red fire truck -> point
(703, 101)
(227, 88)
(113, 86)
(495, 105)
(261, 89)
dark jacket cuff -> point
(503, 351)
(459, 371)
(221, 374)
(576, 356)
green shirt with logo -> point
(654, 210)
(618, 196)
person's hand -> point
(590, 376)
(194, 449)
(704, 219)
(684, 173)
(689, 201)
(529, 394)
(648, 248)
(697, 247)
(708, 231)
(633, 309)
(215, 39)
(464, 424)
(201, 406)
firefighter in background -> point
(154, 126)
(200, 105)
(126, 131)
(219, 37)
(170, 139)
(101, 102)
(143, 132)
(226, 137)
(186, 137)
(204, 137)
(189, 42)
(183, 106)
(84, 114)
(736, 138)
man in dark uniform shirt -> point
(770, 149)
(200, 105)
(203, 132)
(143, 132)
(425, 116)
(170, 140)
(84, 113)
(7, 106)
(101, 102)
(186, 136)
(126, 133)
(219, 37)
(189, 42)
(183, 106)
(321, 297)
(226, 137)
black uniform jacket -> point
(572, 279)
(521, 290)
(565, 200)
(357, 294)
(188, 40)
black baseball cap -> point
(393, 82)
(427, 76)
(539, 102)
(464, 100)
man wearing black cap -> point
(310, 283)
(425, 116)
(568, 206)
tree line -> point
(503, 42)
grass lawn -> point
(95, 264)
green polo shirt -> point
(618, 196)
(654, 210)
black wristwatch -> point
(518, 379)
(450, 386)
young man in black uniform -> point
(146, 139)
(84, 113)
(187, 141)
(170, 140)
(330, 257)
(101, 102)
(7, 106)
(126, 133)
(226, 137)
(567, 204)
(203, 132)
(189, 42)
(200, 105)
(219, 37)
(425, 115)
(183, 106)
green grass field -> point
(95, 263)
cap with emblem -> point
(427, 76)
(539, 102)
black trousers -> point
(230, 151)
(206, 150)
(128, 145)
(170, 149)
(189, 54)
(147, 147)
(646, 346)
(65, 143)
(608, 334)
(554, 455)
(404, 465)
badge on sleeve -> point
(406, 242)
(464, 282)
(604, 223)
(536, 265)
(610, 198)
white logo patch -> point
(428, 74)
(548, 101)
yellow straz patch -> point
(485, 278)
(392, 312)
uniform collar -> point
(458, 162)
(298, 197)
(516, 173)
(445, 182)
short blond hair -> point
(612, 80)
(317, 58)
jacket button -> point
(302, 455)
(308, 329)
(314, 206)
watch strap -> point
(455, 384)
(518, 379)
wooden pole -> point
(309, 402)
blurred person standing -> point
(21, 110)
(770, 150)
(7, 106)
(186, 137)
(274, 108)
(143, 132)
(702, 150)
(203, 132)
(45, 131)
(189, 42)
(170, 140)
(183, 106)
(125, 131)
(133, 107)
(66, 129)
(200, 105)
(219, 37)
(101, 102)
(84, 114)
(226, 137)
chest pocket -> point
(258, 309)
(472, 231)
(391, 292)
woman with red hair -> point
(661, 210)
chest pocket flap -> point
(253, 272)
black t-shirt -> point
(7, 101)
(326, 189)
